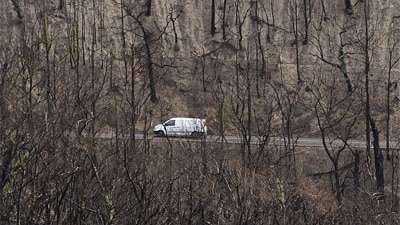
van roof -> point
(184, 118)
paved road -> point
(301, 142)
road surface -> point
(232, 139)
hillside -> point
(72, 69)
(178, 59)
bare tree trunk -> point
(212, 17)
(391, 86)
(273, 14)
(343, 65)
(389, 83)
(174, 29)
(370, 123)
(174, 13)
(357, 173)
(75, 52)
(3, 108)
(49, 94)
(260, 54)
(146, 37)
(378, 157)
(93, 73)
(294, 18)
(306, 13)
(349, 7)
(324, 15)
(249, 114)
(153, 94)
(220, 98)
(148, 10)
(83, 31)
(18, 8)
(133, 103)
(6, 162)
(239, 23)
(6, 154)
(61, 4)
(123, 25)
(123, 36)
(224, 21)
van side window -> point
(170, 123)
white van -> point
(180, 126)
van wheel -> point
(194, 135)
(160, 133)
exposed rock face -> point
(171, 45)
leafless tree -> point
(342, 57)
(392, 85)
(146, 37)
(336, 116)
(370, 123)
(174, 12)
